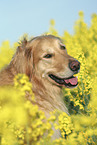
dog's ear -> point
(29, 60)
(28, 53)
(26, 49)
(22, 45)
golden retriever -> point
(45, 61)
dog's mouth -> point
(68, 82)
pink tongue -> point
(72, 81)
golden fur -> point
(29, 59)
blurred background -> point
(33, 16)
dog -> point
(44, 59)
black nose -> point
(74, 65)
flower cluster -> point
(64, 124)
(21, 122)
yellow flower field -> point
(22, 123)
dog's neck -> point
(48, 96)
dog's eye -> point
(63, 47)
(48, 56)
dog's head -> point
(50, 61)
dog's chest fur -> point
(49, 97)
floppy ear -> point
(26, 49)
(29, 61)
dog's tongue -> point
(72, 81)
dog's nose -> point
(74, 65)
